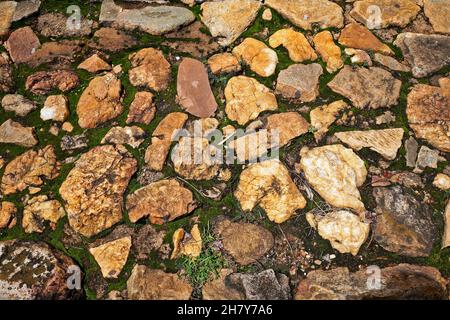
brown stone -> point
(390, 63)
(111, 39)
(288, 125)
(438, 12)
(299, 82)
(22, 44)
(6, 75)
(13, 132)
(56, 24)
(224, 63)
(216, 289)
(357, 36)
(193, 90)
(142, 109)
(112, 256)
(446, 235)
(149, 69)
(100, 101)
(58, 55)
(296, 44)
(29, 169)
(7, 214)
(94, 64)
(42, 82)
(162, 201)
(261, 59)
(7, 9)
(38, 210)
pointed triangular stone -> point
(385, 142)
(112, 256)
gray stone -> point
(411, 147)
(427, 158)
(25, 9)
(69, 143)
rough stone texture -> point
(26, 8)
(28, 169)
(390, 63)
(328, 50)
(34, 271)
(217, 289)
(288, 125)
(112, 256)
(149, 69)
(151, 284)
(75, 142)
(94, 188)
(427, 158)
(14, 133)
(296, 44)
(224, 63)
(55, 24)
(111, 39)
(55, 108)
(357, 36)
(438, 12)
(245, 242)
(265, 285)
(299, 82)
(253, 145)
(193, 89)
(367, 87)
(7, 9)
(324, 116)
(424, 53)
(397, 13)
(246, 98)
(8, 213)
(187, 244)
(269, 185)
(6, 75)
(345, 230)
(305, 13)
(227, 19)
(386, 142)
(100, 101)
(411, 147)
(428, 115)
(142, 109)
(446, 235)
(146, 240)
(335, 172)
(18, 104)
(155, 20)
(22, 44)
(261, 59)
(404, 223)
(42, 82)
(58, 55)
(442, 181)
(133, 136)
(162, 201)
(157, 151)
(399, 282)
(38, 210)
(94, 64)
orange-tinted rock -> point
(328, 50)
(111, 39)
(149, 69)
(42, 82)
(22, 44)
(296, 44)
(142, 109)
(224, 63)
(94, 64)
(357, 36)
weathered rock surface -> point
(305, 13)
(152, 284)
(100, 101)
(28, 169)
(269, 185)
(386, 142)
(345, 230)
(261, 59)
(404, 223)
(94, 64)
(367, 87)
(142, 109)
(428, 115)
(94, 188)
(245, 242)
(58, 55)
(438, 13)
(111, 39)
(14, 133)
(75, 142)
(446, 235)
(18, 104)
(328, 50)
(324, 116)
(157, 151)
(38, 210)
(42, 82)
(112, 256)
(357, 36)
(442, 181)
(149, 69)
(399, 282)
(425, 53)
(246, 98)
(162, 201)
(133, 136)
(55, 24)
(6, 75)
(26, 8)
(34, 271)
(335, 172)
(7, 9)
(155, 20)
(376, 14)
(193, 89)
(55, 108)
(299, 82)
(265, 285)
(288, 125)
(22, 44)
(187, 244)
(227, 19)
(8, 213)
(296, 44)
(224, 63)
(391, 63)
(427, 158)
(217, 289)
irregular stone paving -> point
(226, 149)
